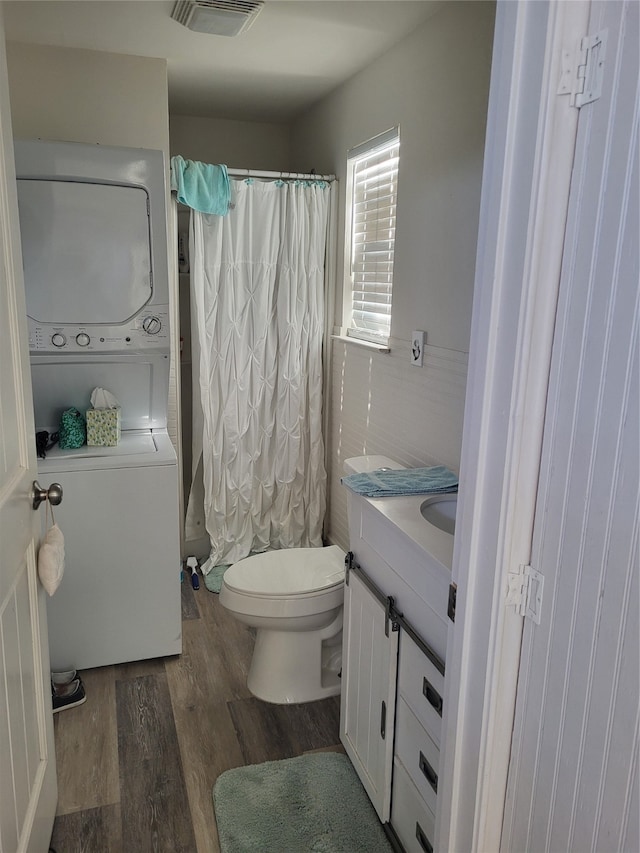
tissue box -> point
(103, 427)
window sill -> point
(347, 339)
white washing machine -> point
(93, 227)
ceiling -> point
(294, 53)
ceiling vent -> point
(217, 17)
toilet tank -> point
(359, 465)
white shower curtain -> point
(257, 279)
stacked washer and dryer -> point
(94, 243)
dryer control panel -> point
(147, 331)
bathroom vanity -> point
(394, 649)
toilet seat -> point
(288, 573)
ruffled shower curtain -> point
(257, 279)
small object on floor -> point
(65, 677)
(213, 580)
(192, 565)
(64, 696)
(313, 802)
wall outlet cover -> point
(417, 348)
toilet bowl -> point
(293, 598)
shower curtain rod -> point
(251, 173)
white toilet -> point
(294, 600)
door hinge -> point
(583, 71)
(524, 592)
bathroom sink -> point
(440, 510)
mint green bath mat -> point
(310, 804)
(213, 579)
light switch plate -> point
(417, 348)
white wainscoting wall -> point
(380, 403)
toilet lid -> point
(291, 571)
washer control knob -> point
(58, 340)
(83, 339)
(152, 325)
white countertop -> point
(404, 512)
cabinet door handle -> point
(432, 696)
(383, 720)
(423, 841)
(429, 772)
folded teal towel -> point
(407, 481)
(201, 186)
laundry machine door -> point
(86, 251)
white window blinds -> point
(373, 179)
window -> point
(372, 179)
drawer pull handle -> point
(432, 696)
(422, 839)
(429, 772)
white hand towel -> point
(51, 559)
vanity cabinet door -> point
(367, 713)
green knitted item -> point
(73, 429)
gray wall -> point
(88, 96)
(243, 144)
(434, 85)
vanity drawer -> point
(422, 686)
(413, 822)
(418, 753)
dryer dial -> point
(83, 339)
(152, 325)
(58, 340)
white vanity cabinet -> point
(394, 640)
(367, 709)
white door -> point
(573, 776)
(28, 789)
(368, 700)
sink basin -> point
(440, 510)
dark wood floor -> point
(137, 762)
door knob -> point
(53, 494)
